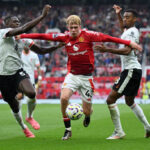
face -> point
(128, 19)
(14, 22)
(74, 30)
(26, 50)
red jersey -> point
(79, 50)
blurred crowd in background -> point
(98, 18)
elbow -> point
(126, 53)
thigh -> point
(66, 93)
(26, 86)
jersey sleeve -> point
(100, 37)
(3, 32)
(28, 43)
(43, 36)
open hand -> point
(117, 9)
(101, 48)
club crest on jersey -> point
(81, 39)
(76, 47)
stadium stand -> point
(100, 19)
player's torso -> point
(10, 52)
(130, 61)
(80, 54)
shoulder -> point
(33, 54)
(133, 31)
(4, 31)
(89, 32)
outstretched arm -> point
(30, 24)
(118, 10)
(43, 36)
(122, 51)
(100, 37)
(44, 50)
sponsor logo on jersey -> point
(76, 47)
(78, 53)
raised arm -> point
(44, 50)
(26, 27)
(122, 51)
(118, 10)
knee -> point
(31, 94)
(15, 109)
(129, 103)
(64, 99)
(109, 100)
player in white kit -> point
(30, 63)
(129, 81)
(13, 78)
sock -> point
(67, 123)
(115, 116)
(31, 103)
(140, 115)
(18, 118)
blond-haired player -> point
(80, 64)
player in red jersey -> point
(80, 64)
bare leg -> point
(65, 96)
(26, 87)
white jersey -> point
(130, 61)
(30, 61)
(10, 53)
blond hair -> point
(73, 19)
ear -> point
(135, 19)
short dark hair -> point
(133, 11)
(7, 19)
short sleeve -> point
(3, 32)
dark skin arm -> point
(44, 50)
(122, 51)
(118, 10)
(26, 27)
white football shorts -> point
(81, 83)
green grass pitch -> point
(91, 138)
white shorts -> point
(81, 83)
